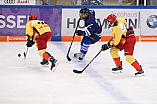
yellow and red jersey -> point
(35, 28)
(119, 32)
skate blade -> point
(118, 71)
(45, 64)
(56, 65)
(140, 75)
(75, 56)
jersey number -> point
(41, 23)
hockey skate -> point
(54, 63)
(118, 69)
(141, 72)
(79, 55)
(44, 62)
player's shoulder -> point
(91, 17)
(120, 19)
(28, 23)
(117, 27)
(92, 12)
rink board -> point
(63, 21)
(69, 38)
(76, 39)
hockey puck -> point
(19, 55)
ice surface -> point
(25, 81)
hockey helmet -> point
(32, 17)
(111, 19)
(84, 11)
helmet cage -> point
(111, 23)
(84, 11)
(111, 19)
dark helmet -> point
(85, 11)
(32, 17)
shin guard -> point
(46, 55)
(136, 66)
(117, 61)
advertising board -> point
(63, 21)
(13, 20)
(70, 17)
(18, 2)
(149, 22)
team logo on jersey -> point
(152, 21)
(9, 1)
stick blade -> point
(69, 59)
(77, 71)
(24, 55)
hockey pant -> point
(42, 45)
(86, 41)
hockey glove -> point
(30, 43)
(80, 33)
(105, 46)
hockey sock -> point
(117, 61)
(41, 52)
(136, 65)
(85, 45)
(46, 55)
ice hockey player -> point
(92, 33)
(122, 39)
(39, 32)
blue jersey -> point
(92, 25)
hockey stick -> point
(25, 53)
(79, 72)
(69, 59)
